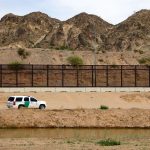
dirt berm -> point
(113, 118)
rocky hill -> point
(24, 31)
(131, 34)
(125, 43)
(82, 32)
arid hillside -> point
(24, 31)
(131, 34)
(50, 40)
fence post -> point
(92, 76)
(107, 75)
(16, 77)
(77, 76)
(32, 76)
(1, 76)
(95, 76)
(149, 76)
(135, 75)
(47, 76)
(62, 74)
(121, 76)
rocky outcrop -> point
(131, 34)
(82, 32)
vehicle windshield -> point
(11, 99)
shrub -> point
(63, 47)
(75, 60)
(103, 107)
(23, 53)
(114, 66)
(141, 52)
(108, 142)
(15, 65)
(101, 60)
(70, 142)
(144, 61)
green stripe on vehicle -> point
(27, 103)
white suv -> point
(25, 101)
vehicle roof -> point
(19, 96)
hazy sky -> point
(113, 11)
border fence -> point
(73, 76)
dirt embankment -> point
(113, 118)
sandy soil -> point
(69, 144)
(80, 110)
(91, 100)
(59, 57)
(86, 118)
(77, 110)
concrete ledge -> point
(136, 90)
(92, 89)
(147, 89)
(48, 89)
(62, 89)
(88, 89)
(77, 89)
(122, 89)
(32, 89)
(107, 89)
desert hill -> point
(124, 43)
(131, 34)
(24, 31)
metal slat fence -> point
(73, 76)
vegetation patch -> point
(15, 65)
(145, 61)
(63, 47)
(75, 60)
(108, 142)
(70, 142)
(114, 66)
(103, 107)
(23, 53)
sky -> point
(113, 11)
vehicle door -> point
(18, 101)
(27, 102)
(33, 102)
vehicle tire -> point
(42, 107)
(20, 106)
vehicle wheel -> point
(20, 106)
(42, 107)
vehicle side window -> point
(33, 99)
(11, 99)
(18, 99)
(26, 99)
